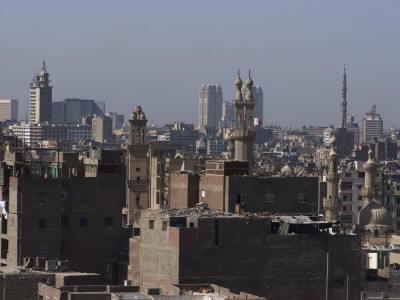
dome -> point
(142, 116)
(286, 171)
(249, 82)
(374, 214)
(137, 109)
(133, 116)
(328, 130)
(238, 82)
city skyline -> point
(158, 54)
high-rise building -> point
(372, 125)
(351, 126)
(343, 107)
(210, 105)
(102, 129)
(259, 102)
(40, 97)
(72, 110)
(228, 115)
(8, 110)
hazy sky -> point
(158, 53)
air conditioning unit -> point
(127, 282)
(63, 265)
(51, 265)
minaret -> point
(332, 203)
(343, 107)
(368, 192)
(137, 132)
(244, 133)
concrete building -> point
(72, 110)
(8, 110)
(273, 257)
(41, 95)
(102, 129)
(117, 120)
(228, 115)
(210, 105)
(34, 134)
(371, 126)
(244, 134)
(352, 126)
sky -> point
(157, 54)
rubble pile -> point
(202, 210)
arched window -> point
(249, 122)
(239, 121)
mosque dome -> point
(142, 116)
(137, 110)
(374, 214)
(286, 171)
(249, 82)
(238, 82)
(328, 130)
(133, 116)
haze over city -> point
(158, 53)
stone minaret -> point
(332, 203)
(244, 133)
(343, 107)
(369, 192)
(137, 132)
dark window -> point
(108, 221)
(359, 197)
(41, 223)
(151, 224)
(164, 225)
(42, 198)
(138, 169)
(84, 197)
(138, 178)
(136, 231)
(64, 221)
(83, 222)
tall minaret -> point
(137, 130)
(343, 107)
(244, 133)
(332, 203)
(368, 192)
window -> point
(359, 197)
(164, 225)
(63, 196)
(41, 223)
(84, 197)
(347, 175)
(346, 186)
(344, 208)
(64, 221)
(108, 221)
(137, 200)
(83, 222)
(344, 197)
(42, 198)
(203, 193)
(137, 169)
(151, 224)
(269, 198)
(302, 198)
(138, 178)
(388, 187)
(43, 249)
(398, 187)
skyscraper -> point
(372, 125)
(210, 105)
(343, 107)
(40, 97)
(8, 110)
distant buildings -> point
(41, 97)
(210, 105)
(372, 126)
(72, 110)
(8, 110)
(351, 126)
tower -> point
(332, 203)
(372, 126)
(210, 105)
(137, 196)
(40, 97)
(244, 133)
(343, 107)
(368, 192)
